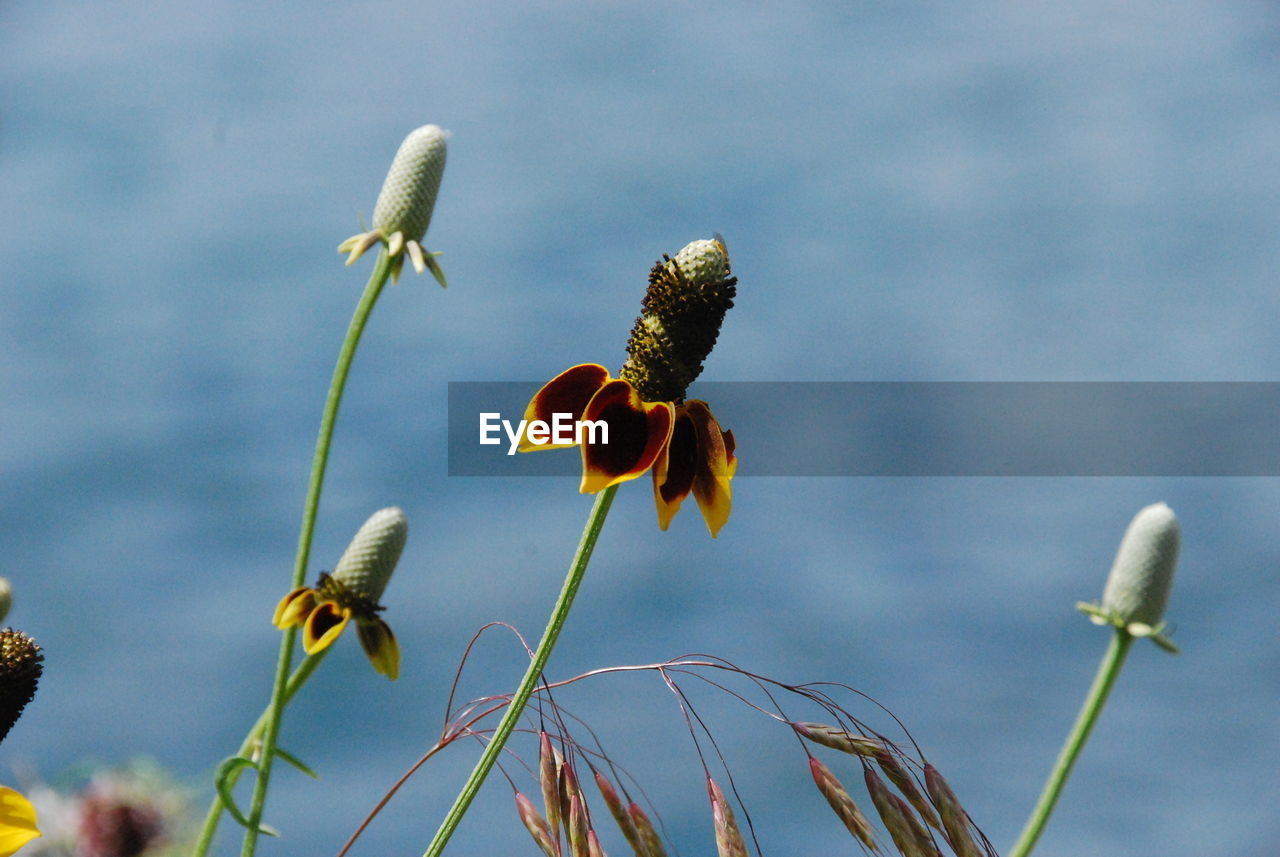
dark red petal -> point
(567, 393)
(637, 434)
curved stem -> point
(327, 420)
(1108, 670)
(216, 807)
(577, 568)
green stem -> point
(578, 567)
(216, 808)
(1108, 671)
(367, 300)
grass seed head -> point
(549, 780)
(650, 841)
(906, 784)
(619, 812)
(955, 821)
(840, 739)
(729, 841)
(578, 845)
(842, 803)
(537, 826)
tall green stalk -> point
(279, 692)
(1108, 671)
(577, 568)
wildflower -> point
(17, 821)
(650, 424)
(1137, 589)
(403, 210)
(352, 591)
(21, 663)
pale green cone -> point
(405, 203)
(1137, 590)
(409, 193)
(367, 563)
(6, 597)
(704, 262)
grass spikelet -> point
(647, 835)
(896, 817)
(619, 813)
(842, 803)
(569, 791)
(578, 845)
(593, 845)
(729, 841)
(906, 784)
(955, 821)
(840, 739)
(549, 780)
(537, 826)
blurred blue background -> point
(1003, 191)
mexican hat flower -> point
(403, 210)
(648, 423)
(352, 592)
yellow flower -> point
(17, 821)
(352, 592)
(650, 426)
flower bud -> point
(6, 597)
(680, 320)
(409, 193)
(367, 563)
(1142, 575)
(20, 668)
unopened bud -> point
(6, 597)
(409, 193)
(367, 563)
(1141, 578)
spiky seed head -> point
(367, 563)
(1137, 589)
(6, 597)
(409, 193)
(679, 320)
(21, 663)
(842, 803)
(649, 838)
(955, 821)
(840, 739)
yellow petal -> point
(17, 821)
(380, 645)
(567, 393)
(323, 626)
(712, 471)
(294, 608)
(638, 433)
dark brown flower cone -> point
(20, 667)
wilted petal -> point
(380, 645)
(637, 431)
(323, 626)
(567, 393)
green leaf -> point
(224, 780)
(296, 762)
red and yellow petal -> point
(674, 469)
(567, 393)
(294, 608)
(380, 645)
(638, 433)
(323, 626)
(713, 471)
